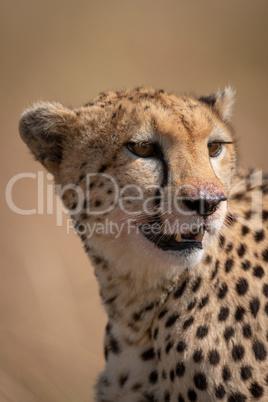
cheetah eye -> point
(214, 149)
(143, 149)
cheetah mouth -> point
(176, 241)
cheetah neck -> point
(132, 307)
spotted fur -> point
(181, 327)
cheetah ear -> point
(221, 102)
(46, 128)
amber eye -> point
(214, 149)
(143, 149)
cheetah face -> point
(185, 205)
(155, 167)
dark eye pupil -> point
(143, 150)
(214, 148)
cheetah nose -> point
(203, 206)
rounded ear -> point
(221, 102)
(45, 128)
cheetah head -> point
(145, 174)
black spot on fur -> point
(204, 302)
(73, 206)
(258, 271)
(246, 265)
(148, 354)
(153, 377)
(87, 248)
(159, 91)
(155, 333)
(208, 259)
(114, 346)
(180, 290)
(222, 291)
(181, 346)
(221, 241)
(238, 352)
(167, 396)
(239, 313)
(254, 306)
(226, 373)
(172, 375)
(202, 331)
(265, 290)
(97, 259)
(219, 392)
(150, 397)
(242, 286)
(180, 369)
(122, 380)
(214, 357)
(150, 306)
(247, 331)
(245, 372)
(265, 215)
(169, 346)
(200, 381)
(244, 230)
(89, 104)
(237, 397)
(191, 305)
(228, 265)
(198, 356)
(228, 333)
(229, 248)
(162, 314)
(259, 350)
(215, 271)
(265, 255)
(242, 250)
(196, 284)
(223, 314)
(259, 236)
(106, 353)
(256, 390)
(247, 214)
(171, 320)
(102, 168)
(192, 395)
(188, 323)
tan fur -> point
(178, 322)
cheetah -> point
(176, 234)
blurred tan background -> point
(52, 323)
